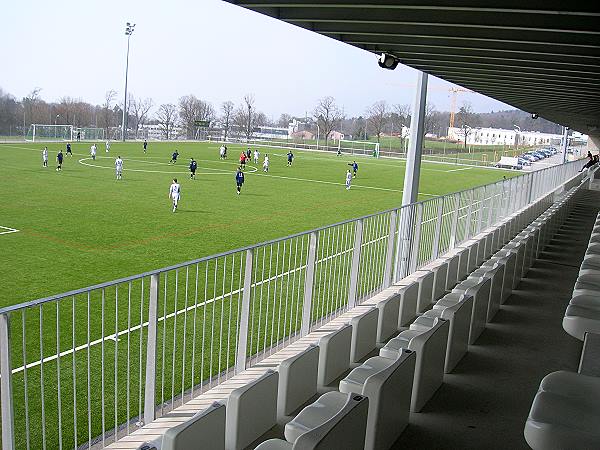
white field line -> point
(458, 170)
(8, 230)
(115, 337)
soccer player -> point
(145, 145)
(78, 136)
(354, 167)
(222, 153)
(59, 161)
(339, 151)
(175, 193)
(69, 152)
(107, 146)
(193, 167)
(348, 179)
(93, 152)
(174, 157)
(45, 157)
(290, 157)
(242, 161)
(266, 164)
(248, 154)
(119, 167)
(256, 155)
(239, 180)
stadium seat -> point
(439, 268)
(297, 381)
(333, 421)
(251, 411)
(425, 280)
(363, 320)
(507, 259)
(409, 297)
(206, 429)
(387, 383)
(334, 355)
(430, 345)
(387, 303)
(452, 275)
(479, 289)
(457, 311)
(495, 272)
(565, 413)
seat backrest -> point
(205, 430)
(297, 380)
(251, 411)
(346, 430)
(364, 334)
(334, 354)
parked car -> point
(523, 161)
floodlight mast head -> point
(129, 29)
(387, 61)
(534, 115)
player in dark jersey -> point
(193, 167)
(290, 158)
(69, 152)
(59, 161)
(354, 168)
(239, 180)
(145, 145)
(174, 157)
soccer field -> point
(81, 226)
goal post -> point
(365, 148)
(42, 132)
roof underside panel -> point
(539, 56)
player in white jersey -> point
(93, 151)
(348, 179)
(45, 157)
(266, 164)
(107, 146)
(175, 193)
(119, 167)
(256, 155)
(222, 152)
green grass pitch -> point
(81, 226)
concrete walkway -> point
(484, 403)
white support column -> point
(355, 264)
(565, 143)
(240, 361)
(387, 275)
(309, 278)
(413, 157)
(150, 388)
(6, 397)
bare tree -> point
(140, 109)
(466, 120)
(167, 117)
(428, 120)
(245, 116)
(378, 116)
(192, 109)
(107, 112)
(327, 115)
(30, 105)
(227, 108)
(284, 120)
(400, 122)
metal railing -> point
(88, 366)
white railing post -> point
(454, 227)
(438, 228)
(416, 240)
(468, 234)
(240, 360)
(481, 208)
(6, 397)
(150, 388)
(387, 274)
(309, 278)
(355, 264)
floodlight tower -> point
(128, 32)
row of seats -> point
(565, 412)
(583, 313)
(421, 326)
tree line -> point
(244, 118)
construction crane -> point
(453, 97)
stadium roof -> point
(539, 56)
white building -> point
(264, 132)
(499, 136)
(156, 132)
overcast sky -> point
(209, 48)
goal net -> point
(365, 148)
(39, 132)
(88, 134)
